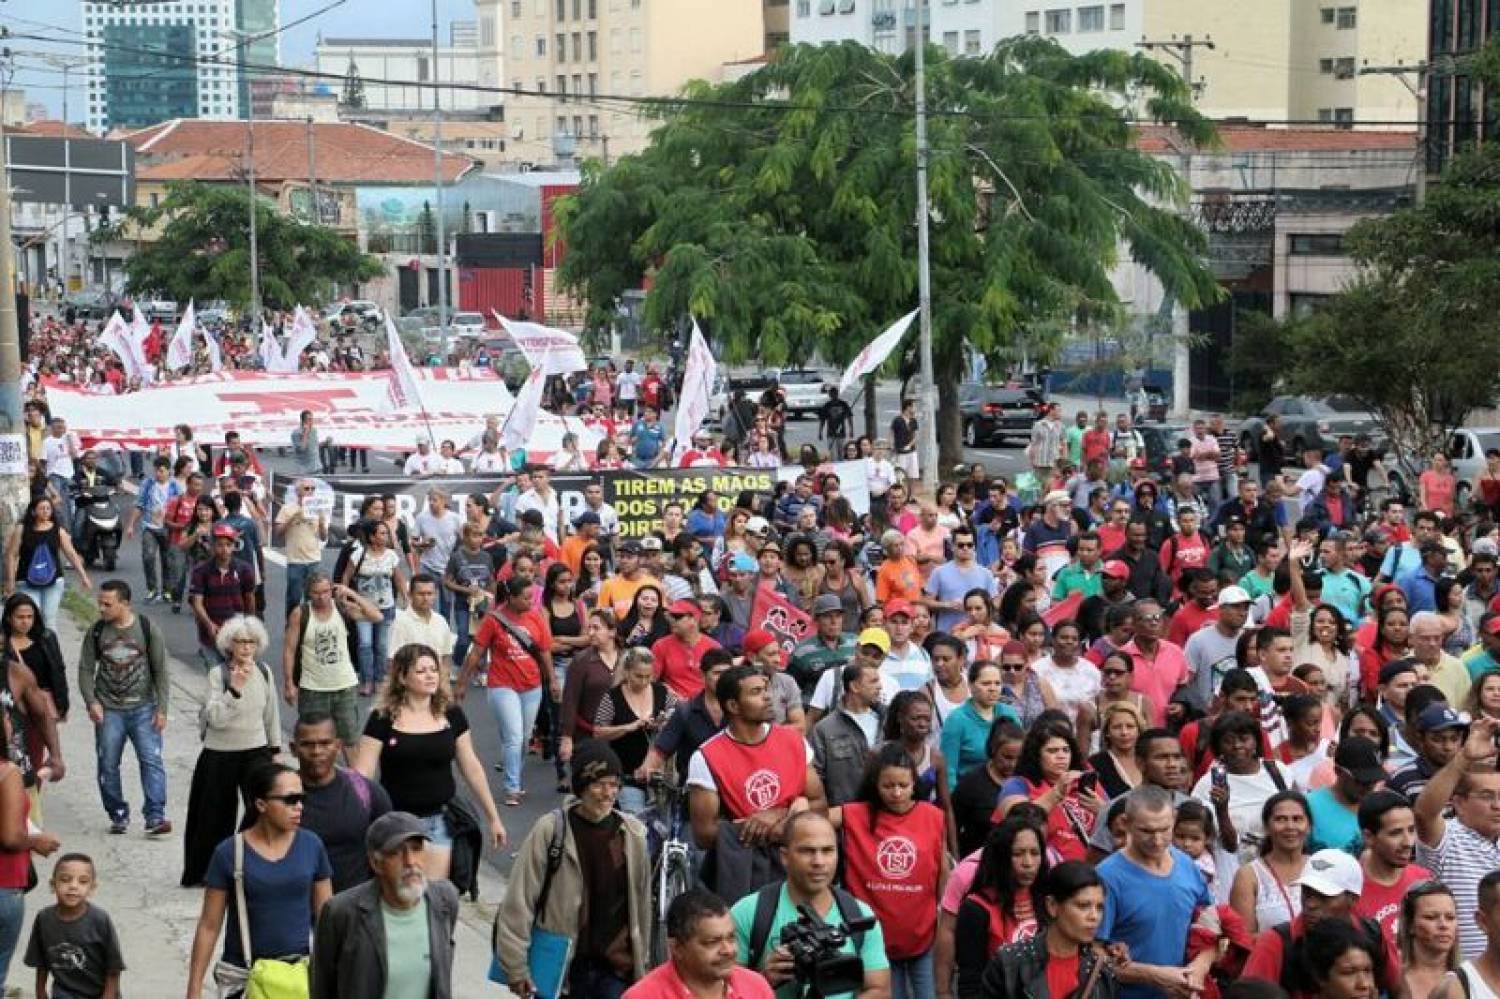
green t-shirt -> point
(1479, 662)
(811, 657)
(871, 951)
(1075, 445)
(1256, 585)
(408, 952)
(1074, 578)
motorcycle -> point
(99, 513)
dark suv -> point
(991, 413)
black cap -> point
(391, 830)
(1361, 759)
(1396, 667)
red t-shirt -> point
(754, 778)
(680, 667)
(1062, 975)
(1110, 537)
(1382, 903)
(1095, 445)
(1188, 619)
(510, 665)
(894, 869)
(1191, 553)
(1269, 955)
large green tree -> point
(779, 210)
(203, 251)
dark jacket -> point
(839, 749)
(1019, 971)
(1146, 576)
(349, 950)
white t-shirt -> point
(897, 673)
(419, 464)
(57, 454)
(1247, 793)
(490, 461)
(609, 520)
(549, 507)
(627, 384)
(450, 466)
(1074, 685)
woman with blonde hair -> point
(413, 737)
(240, 724)
(1120, 726)
(630, 715)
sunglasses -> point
(963, 544)
(289, 800)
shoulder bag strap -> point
(239, 899)
(554, 861)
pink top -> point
(1438, 487)
(1158, 678)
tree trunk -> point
(950, 426)
(872, 409)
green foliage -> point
(1258, 360)
(780, 209)
(203, 251)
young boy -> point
(74, 942)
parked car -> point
(467, 323)
(162, 309)
(358, 312)
(805, 390)
(724, 388)
(992, 413)
(1466, 448)
(1310, 423)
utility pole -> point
(437, 169)
(1423, 73)
(14, 482)
(927, 446)
(312, 172)
(254, 247)
(1182, 50)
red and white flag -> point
(786, 622)
(116, 336)
(298, 339)
(556, 351)
(403, 392)
(270, 348)
(697, 385)
(876, 351)
(139, 331)
(180, 349)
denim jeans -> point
(136, 725)
(12, 917)
(912, 978)
(373, 636)
(459, 621)
(552, 708)
(48, 598)
(515, 714)
(296, 582)
(156, 560)
(588, 978)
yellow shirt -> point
(301, 538)
(618, 593)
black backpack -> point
(351, 638)
(96, 633)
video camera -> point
(819, 968)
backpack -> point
(351, 641)
(42, 570)
(766, 902)
(361, 787)
(96, 632)
(1294, 976)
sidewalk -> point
(138, 877)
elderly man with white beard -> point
(392, 935)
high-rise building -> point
(568, 55)
(1459, 111)
(161, 60)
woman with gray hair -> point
(241, 727)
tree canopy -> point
(203, 251)
(779, 210)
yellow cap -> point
(876, 637)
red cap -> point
(898, 606)
(685, 608)
(1493, 627)
(225, 531)
(1116, 569)
(756, 639)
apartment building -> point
(568, 56)
(1459, 111)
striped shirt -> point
(1461, 858)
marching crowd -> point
(1110, 731)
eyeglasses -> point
(1012, 667)
(245, 641)
(963, 544)
(1148, 617)
(289, 800)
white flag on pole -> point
(403, 393)
(556, 351)
(520, 424)
(140, 329)
(298, 339)
(180, 350)
(116, 336)
(876, 351)
(270, 348)
(697, 386)
(215, 358)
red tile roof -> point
(50, 129)
(345, 153)
(1253, 139)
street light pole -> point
(14, 482)
(927, 442)
(437, 169)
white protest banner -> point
(269, 350)
(215, 356)
(403, 393)
(180, 350)
(301, 335)
(697, 386)
(556, 351)
(876, 351)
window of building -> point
(562, 10)
(1328, 14)
(422, 68)
(1343, 116)
(1033, 23)
(577, 47)
(562, 126)
(577, 83)
(971, 43)
(1325, 66)
(487, 32)
(578, 124)
(560, 49)
(577, 10)
(593, 9)
(515, 8)
(593, 84)
(593, 46)
(846, 6)
(804, 8)
(1059, 22)
(541, 84)
(636, 89)
(562, 84)
(593, 126)
(1348, 18)
(950, 42)
(541, 45)
(1344, 68)
(1090, 19)
(1317, 244)
(635, 39)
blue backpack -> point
(42, 571)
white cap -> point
(1057, 496)
(1231, 595)
(757, 525)
(1332, 873)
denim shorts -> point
(437, 830)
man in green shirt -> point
(1260, 581)
(810, 854)
(828, 647)
(1083, 574)
(391, 937)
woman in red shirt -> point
(896, 862)
(1000, 909)
(1049, 773)
(1065, 955)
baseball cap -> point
(827, 603)
(391, 830)
(651, 543)
(898, 606)
(1231, 595)
(631, 547)
(585, 518)
(1437, 717)
(1115, 569)
(225, 531)
(1057, 496)
(758, 525)
(876, 637)
(1332, 873)
(1361, 758)
(742, 563)
(685, 608)
(757, 639)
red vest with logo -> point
(893, 869)
(1006, 929)
(769, 774)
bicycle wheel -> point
(673, 879)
